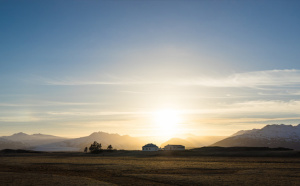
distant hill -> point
(204, 140)
(78, 144)
(8, 144)
(193, 141)
(178, 141)
(273, 136)
(34, 139)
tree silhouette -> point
(85, 149)
(109, 147)
(95, 147)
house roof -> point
(175, 145)
(150, 145)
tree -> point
(85, 149)
(95, 147)
(109, 147)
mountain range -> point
(78, 144)
(34, 139)
(287, 136)
(25, 141)
(125, 142)
(42, 142)
(269, 136)
(8, 144)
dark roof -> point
(150, 145)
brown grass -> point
(87, 169)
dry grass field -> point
(145, 169)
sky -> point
(70, 68)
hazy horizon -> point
(148, 68)
(156, 137)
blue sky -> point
(74, 67)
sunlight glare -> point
(167, 121)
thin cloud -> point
(246, 120)
(73, 81)
(256, 79)
(135, 92)
(253, 109)
(78, 83)
(285, 93)
(19, 119)
(107, 113)
(247, 108)
(47, 103)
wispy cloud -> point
(46, 103)
(264, 107)
(77, 83)
(106, 113)
(254, 79)
(247, 120)
(281, 93)
(107, 80)
(229, 109)
(19, 119)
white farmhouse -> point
(150, 147)
(174, 147)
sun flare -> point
(167, 121)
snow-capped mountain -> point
(244, 132)
(269, 136)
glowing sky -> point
(70, 68)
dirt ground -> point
(92, 169)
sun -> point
(167, 121)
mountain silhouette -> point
(273, 136)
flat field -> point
(136, 168)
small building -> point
(150, 147)
(174, 147)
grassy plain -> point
(145, 168)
